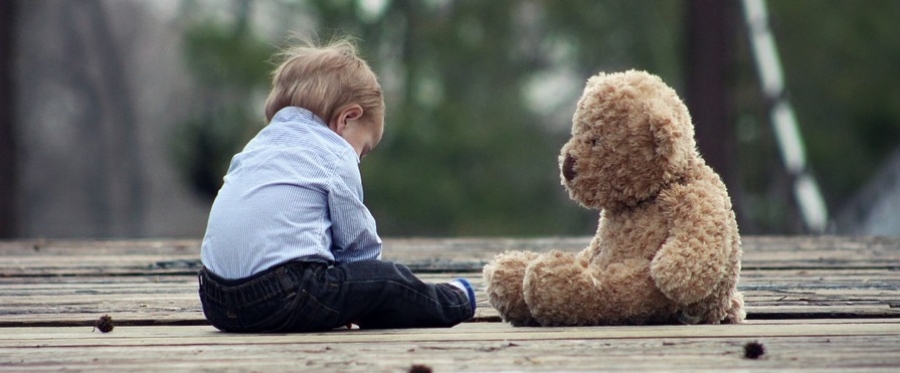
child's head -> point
(334, 83)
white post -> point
(784, 122)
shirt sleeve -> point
(353, 230)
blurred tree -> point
(89, 64)
(711, 32)
(463, 154)
(8, 180)
(229, 63)
(621, 35)
(465, 151)
(479, 95)
(839, 59)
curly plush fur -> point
(667, 248)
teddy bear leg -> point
(503, 280)
(724, 306)
(560, 290)
(736, 313)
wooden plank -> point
(459, 247)
(481, 347)
(72, 283)
(188, 335)
(172, 300)
(157, 257)
(792, 287)
(839, 355)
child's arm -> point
(354, 235)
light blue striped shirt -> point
(293, 193)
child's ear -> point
(346, 114)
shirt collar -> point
(296, 114)
(299, 114)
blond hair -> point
(324, 80)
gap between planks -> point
(189, 335)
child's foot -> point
(465, 286)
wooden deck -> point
(814, 303)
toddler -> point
(290, 246)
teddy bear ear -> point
(670, 136)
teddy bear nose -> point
(568, 168)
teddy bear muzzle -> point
(568, 168)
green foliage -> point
(621, 35)
(462, 154)
(464, 151)
(219, 56)
(203, 146)
(840, 60)
(229, 64)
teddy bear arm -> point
(693, 259)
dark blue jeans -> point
(305, 297)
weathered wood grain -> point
(467, 347)
(158, 257)
(190, 335)
(172, 299)
(816, 303)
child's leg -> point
(379, 294)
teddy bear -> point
(667, 248)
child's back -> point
(290, 246)
(274, 205)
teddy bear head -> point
(631, 136)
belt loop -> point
(286, 284)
